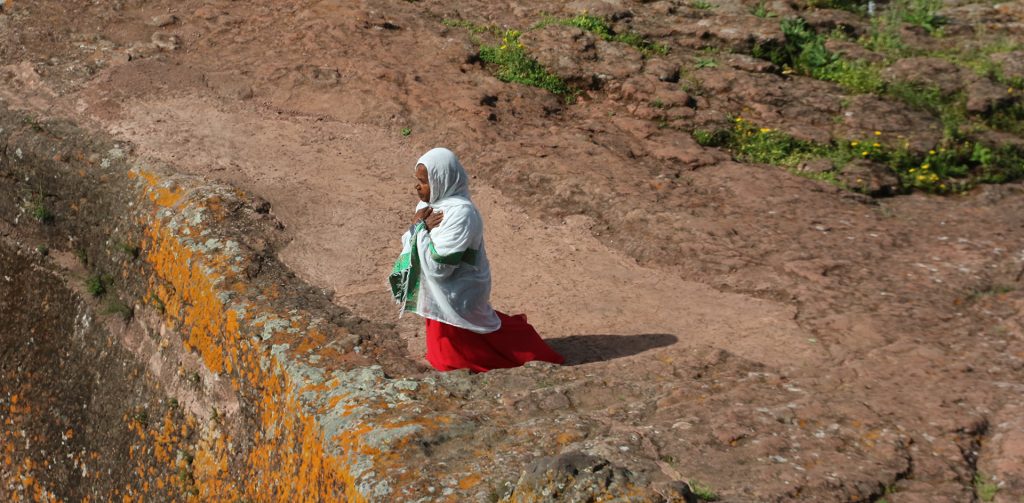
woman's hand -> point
(433, 220)
(422, 214)
(429, 217)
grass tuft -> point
(513, 64)
(600, 27)
(702, 491)
(985, 488)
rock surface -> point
(728, 326)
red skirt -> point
(515, 343)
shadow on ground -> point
(580, 349)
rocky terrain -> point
(781, 244)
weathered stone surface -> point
(853, 50)
(870, 177)
(816, 166)
(581, 58)
(578, 478)
(926, 72)
(984, 95)
(166, 41)
(1011, 64)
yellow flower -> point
(1009, 91)
(854, 143)
(876, 144)
(931, 152)
(942, 186)
(942, 150)
(913, 170)
(878, 133)
(925, 166)
(766, 130)
(864, 152)
(739, 119)
(920, 178)
(503, 47)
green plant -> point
(43, 250)
(96, 285)
(469, 25)
(761, 10)
(953, 166)
(717, 138)
(513, 64)
(600, 27)
(984, 487)
(38, 210)
(701, 4)
(706, 63)
(923, 13)
(406, 131)
(702, 491)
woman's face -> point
(422, 183)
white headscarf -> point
(454, 284)
(446, 175)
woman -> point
(443, 275)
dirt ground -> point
(625, 243)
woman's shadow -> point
(580, 349)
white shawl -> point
(454, 284)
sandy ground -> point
(345, 193)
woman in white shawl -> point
(443, 275)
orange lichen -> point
(161, 196)
(288, 461)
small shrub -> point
(701, 4)
(38, 210)
(406, 131)
(96, 285)
(43, 250)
